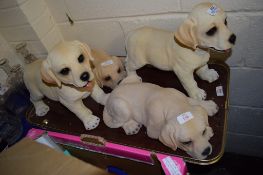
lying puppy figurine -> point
(108, 70)
(169, 115)
(65, 76)
(206, 27)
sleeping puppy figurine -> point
(108, 70)
(185, 50)
(65, 76)
(169, 115)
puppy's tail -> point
(116, 112)
(108, 120)
(133, 78)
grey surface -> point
(244, 144)
(245, 116)
(245, 120)
(246, 86)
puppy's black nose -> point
(84, 76)
(206, 151)
(232, 39)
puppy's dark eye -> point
(65, 71)
(225, 22)
(212, 31)
(119, 70)
(108, 78)
(81, 58)
(187, 143)
(204, 132)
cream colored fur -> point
(108, 70)
(133, 104)
(158, 47)
(67, 89)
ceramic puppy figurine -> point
(184, 51)
(108, 70)
(169, 115)
(65, 76)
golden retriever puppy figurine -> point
(65, 76)
(169, 115)
(185, 50)
(108, 70)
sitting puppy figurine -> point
(108, 70)
(169, 115)
(206, 27)
(65, 76)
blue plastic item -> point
(115, 170)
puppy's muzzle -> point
(206, 152)
(232, 39)
(84, 76)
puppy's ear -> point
(122, 60)
(119, 61)
(186, 33)
(98, 77)
(47, 75)
(86, 51)
(167, 136)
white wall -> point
(105, 23)
(9, 54)
(15, 27)
(29, 21)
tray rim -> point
(186, 159)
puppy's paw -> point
(212, 75)
(42, 109)
(198, 94)
(133, 78)
(206, 74)
(209, 132)
(210, 106)
(91, 122)
(131, 127)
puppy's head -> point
(68, 63)
(206, 27)
(192, 136)
(110, 72)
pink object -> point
(171, 165)
(34, 133)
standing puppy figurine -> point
(169, 115)
(185, 50)
(108, 70)
(65, 76)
